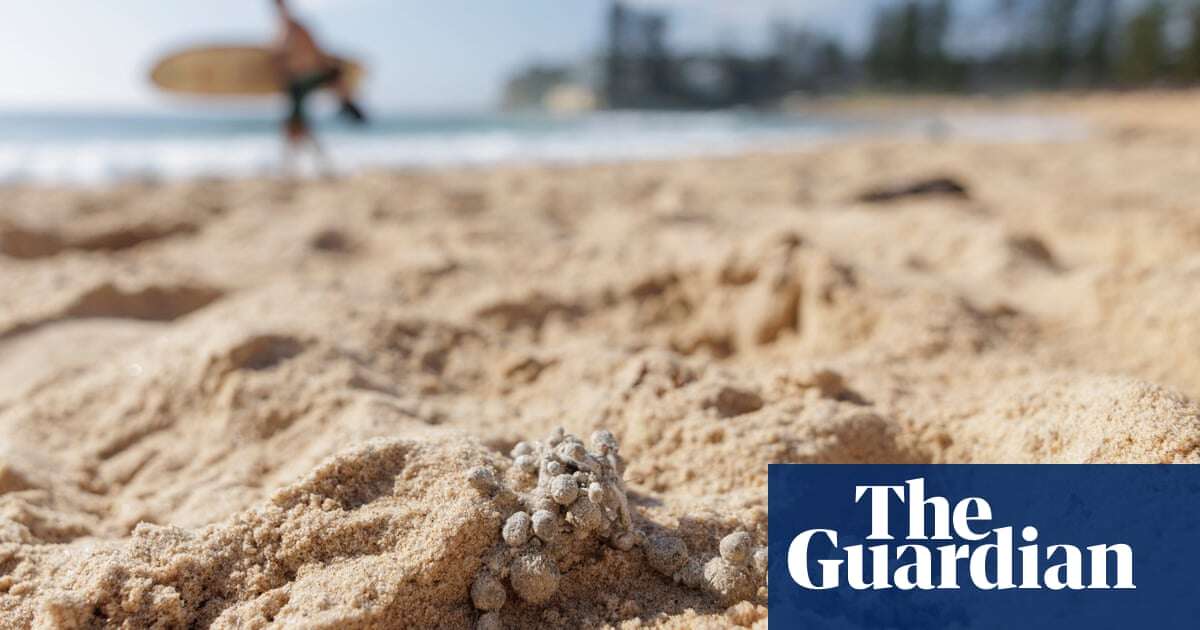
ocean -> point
(79, 148)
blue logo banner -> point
(973, 546)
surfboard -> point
(228, 71)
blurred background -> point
(483, 81)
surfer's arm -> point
(280, 51)
(280, 65)
(305, 39)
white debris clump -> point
(760, 563)
(483, 480)
(577, 491)
(535, 577)
(516, 529)
(736, 575)
(490, 621)
(736, 548)
(568, 499)
(487, 593)
(667, 554)
(564, 499)
(729, 577)
(545, 525)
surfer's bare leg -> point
(323, 161)
(287, 161)
(295, 136)
(291, 163)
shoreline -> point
(182, 149)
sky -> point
(423, 55)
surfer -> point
(306, 68)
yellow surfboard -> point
(228, 71)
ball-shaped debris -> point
(534, 577)
(490, 621)
(596, 493)
(736, 548)
(516, 529)
(728, 583)
(604, 442)
(564, 490)
(760, 560)
(625, 541)
(482, 479)
(526, 463)
(691, 575)
(666, 554)
(545, 525)
(585, 515)
(487, 593)
(572, 452)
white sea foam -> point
(99, 150)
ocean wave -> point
(94, 153)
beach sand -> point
(250, 404)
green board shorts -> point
(300, 87)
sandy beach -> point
(251, 404)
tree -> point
(1058, 51)
(908, 45)
(883, 52)
(615, 61)
(1098, 57)
(807, 60)
(1144, 54)
(1189, 62)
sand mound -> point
(229, 406)
(348, 522)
